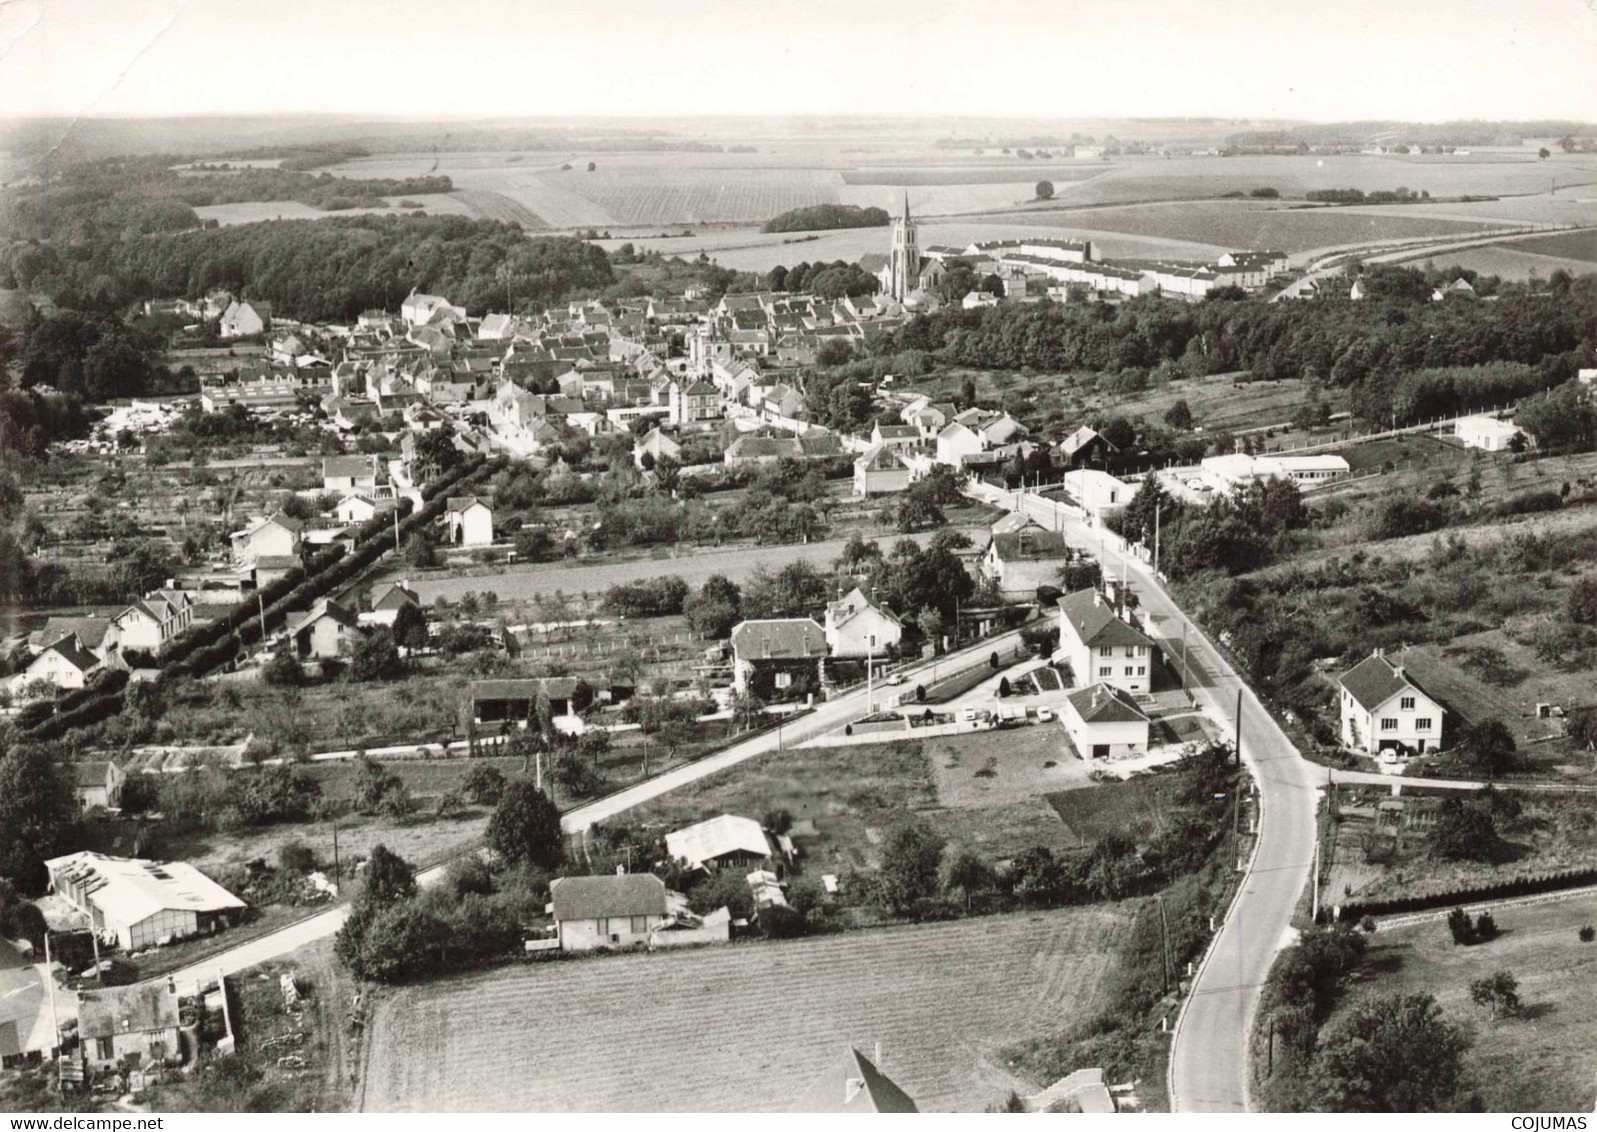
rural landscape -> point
(675, 597)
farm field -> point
(743, 1027)
(1010, 172)
(1567, 245)
(1247, 224)
(1541, 1061)
(248, 212)
(1509, 260)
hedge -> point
(1502, 890)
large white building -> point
(857, 627)
(1101, 647)
(1486, 433)
(1239, 470)
(139, 903)
(1104, 722)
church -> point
(904, 274)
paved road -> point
(736, 563)
(1208, 1054)
(831, 714)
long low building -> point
(142, 903)
(1226, 473)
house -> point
(515, 701)
(1104, 722)
(361, 508)
(895, 436)
(147, 625)
(957, 443)
(275, 536)
(1237, 470)
(470, 521)
(1100, 646)
(1384, 709)
(880, 471)
(593, 913)
(91, 632)
(724, 841)
(131, 1026)
(241, 320)
(656, 446)
(1097, 492)
(700, 401)
(1486, 433)
(388, 598)
(774, 656)
(350, 475)
(327, 631)
(64, 664)
(1020, 561)
(140, 903)
(1085, 448)
(29, 1019)
(853, 1084)
(98, 784)
(857, 627)
(426, 310)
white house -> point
(724, 841)
(1486, 433)
(1020, 561)
(142, 903)
(1098, 493)
(149, 624)
(880, 471)
(657, 446)
(326, 631)
(1384, 709)
(770, 654)
(1100, 646)
(956, 443)
(857, 627)
(388, 598)
(275, 536)
(361, 508)
(593, 913)
(129, 1026)
(1239, 470)
(64, 663)
(423, 310)
(470, 521)
(350, 475)
(1104, 722)
(241, 320)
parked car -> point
(1045, 715)
(896, 678)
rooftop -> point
(604, 897)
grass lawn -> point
(1127, 807)
(744, 1027)
(1542, 1061)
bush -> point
(1587, 934)
(296, 857)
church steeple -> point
(903, 274)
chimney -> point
(621, 870)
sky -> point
(1325, 60)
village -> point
(638, 639)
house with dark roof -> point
(98, 784)
(1101, 646)
(596, 913)
(326, 631)
(778, 658)
(63, 664)
(350, 475)
(1384, 709)
(881, 470)
(853, 1084)
(469, 521)
(1018, 562)
(129, 1027)
(387, 599)
(1104, 722)
(856, 627)
(516, 700)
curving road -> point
(1209, 1047)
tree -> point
(1544, 153)
(1179, 416)
(970, 876)
(1492, 748)
(436, 453)
(1395, 1053)
(409, 629)
(1464, 831)
(420, 552)
(387, 878)
(1582, 728)
(967, 393)
(1580, 604)
(37, 815)
(525, 827)
(483, 784)
(282, 671)
(1045, 190)
(911, 855)
(376, 657)
(915, 512)
(1497, 992)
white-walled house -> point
(594, 913)
(1098, 493)
(327, 631)
(1384, 709)
(857, 627)
(1020, 561)
(956, 443)
(1104, 722)
(1100, 646)
(350, 475)
(470, 521)
(274, 536)
(64, 663)
(1486, 433)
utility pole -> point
(260, 604)
(396, 526)
(49, 979)
(870, 669)
(1239, 727)
(1156, 509)
(338, 872)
